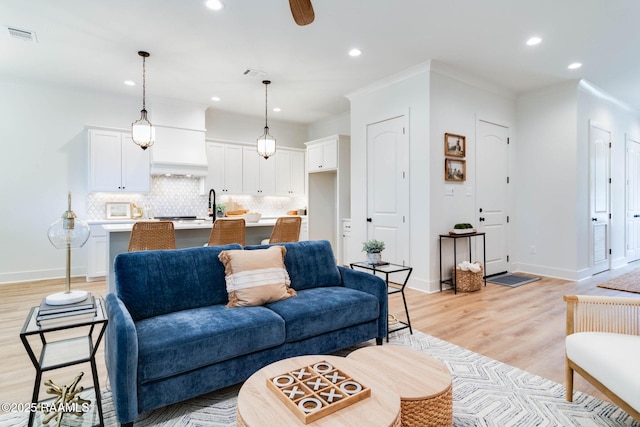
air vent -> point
(24, 35)
(254, 73)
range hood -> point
(179, 151)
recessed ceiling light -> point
(215, 98)
(355, 52)
(574, 66)
(277, 109)
(214, 4)
(533, 41)
(129, 82)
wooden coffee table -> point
(423, 382)
(260, 406)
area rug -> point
(629, 282)
(512, 280)
(486, 392)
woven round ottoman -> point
(423, 382)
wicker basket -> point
(468, 281)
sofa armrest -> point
(591, 313)
(372, 284)
(121, 354)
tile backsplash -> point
(181, 196)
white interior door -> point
(633, 200)
(388, 188)
(492, 194)
(599, 152)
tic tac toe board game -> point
(317, 390)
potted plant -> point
(373, 248)
(221, 210)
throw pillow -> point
(256, 277)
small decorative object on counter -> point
(136, 212)
(374, 249)
(252, 216)
(463, 228)
(221, 211)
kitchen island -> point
(189, 234)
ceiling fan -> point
(302, 11)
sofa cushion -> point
(319, 310)
(256, 277)
(178, 342)
(151, 283)
(611, 359)
(311, 264)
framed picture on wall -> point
(118, 210)
(454, 145)
(455, 170)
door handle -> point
(481, 219)
(369, 220)
(594, 219)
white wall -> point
(546, 201)
(44, 146)
(458, 101)
(240, 128)
(403, 94)
(340, 124)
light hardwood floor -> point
(523, 326)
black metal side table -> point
(65, 352)
(387, 269)
(455, 238)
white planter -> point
(374, 258)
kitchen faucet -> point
(212, 206)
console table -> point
(455, 238)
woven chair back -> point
(146, 236)
(287, 229)
(226, 231)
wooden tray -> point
(317, 390)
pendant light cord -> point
(266, 122)
(144, 81)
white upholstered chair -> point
(603, 346)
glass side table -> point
(392, 287)
(58, 352)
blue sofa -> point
(170, 336)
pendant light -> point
(266, 143)
(142, 132)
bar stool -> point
(287, 229)
(152, 235)
(226, 231)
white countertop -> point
(188, 225)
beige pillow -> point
(256, 277)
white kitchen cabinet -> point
(116, 163)
(96, 254)
(258, 173)
(322, 155)
(290, 173)
(329, 190)
(225, 168)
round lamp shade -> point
(68, 232)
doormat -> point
(512, 280)
(629, 282)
